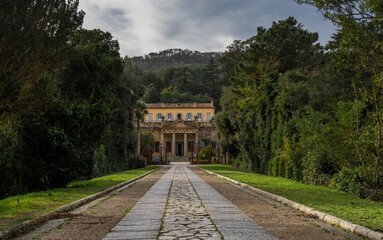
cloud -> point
(144, 26)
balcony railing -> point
(166, 122)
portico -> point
(177, 140)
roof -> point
(179, 124)
(178, 105)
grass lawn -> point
(16, 209)
(353, 209)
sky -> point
(145, 26)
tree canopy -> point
(294, 110)
(66, 98)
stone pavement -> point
(183, 206)
(185, 216)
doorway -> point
(179, 148)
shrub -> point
(312, 169)
(281, 166)
(206, 152)
(100, 162)
(348, 180)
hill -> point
(156, 62)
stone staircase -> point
(179, 159)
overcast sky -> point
(144, 26)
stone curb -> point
(29, 225)
(354, 228)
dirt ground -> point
(281, 221)
(97, 221)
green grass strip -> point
(342, 205)
(19, 208)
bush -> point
(241, 162)
(10, 166)
(349, 180)
(312, 169)
(100, 162)
(141, 162)
(206, 153)
(281, 166)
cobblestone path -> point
(185, 216)
(183, 206)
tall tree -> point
(358, 55)
(33, 45)
(212, 79)
(139, 113)
(95, 65)
(34, 35)
(254, 81)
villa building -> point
(180, 130)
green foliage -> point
(164, 79)
(9, 166)
(100, 162)
(182, 97)
(313, 163)
(33, 45)
(34, 36)
(279, 43)
(293, 111)
(152, 95)
(95, 66)
(227, 122)
(147, 141)
(206, 152)
(351, 208)
(281, 164)
(269, 95)
(156, 62)
(70, 116)
(349, 180)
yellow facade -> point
(180, 130)
(158, 112)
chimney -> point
(195, 105)
(211, 102)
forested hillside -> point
(157, 62)
(298, 110)
(176, 75)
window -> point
(214, 145)
(179, 116)
(169, 116)
(189, 117)
(157, 147)
(168, 147)
(159, 117)
(208, 117)
(199, 117)
(150, 117)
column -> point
(196, 143)
(162, 145)
(173, 143)
(185, 144)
